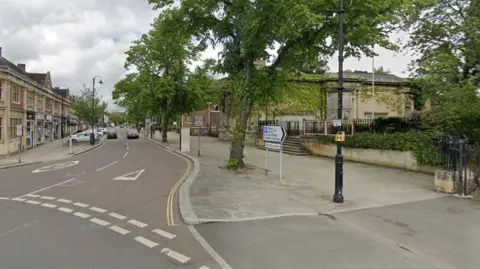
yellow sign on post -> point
(340, 137)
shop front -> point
(57, 123)
(40, 127)
(48, 127)
(30, 130)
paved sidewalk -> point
(306, 189)
(50, 151)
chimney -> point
(22, 66)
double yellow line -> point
(171, 194)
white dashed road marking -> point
(19, 199)
(138, 223)
(164, 234)
(117, 216)
(119, 230)
(125, 155)
(48, 197)
(146, 242)
(48, 205)
(175, 255)
(100, 222)
(204, 267)
(33, 202)
(4, 198)
(106, 166)
(81, 215)
(33, 195)
(65, 209)
(64, 201)
(80, 204)
(97, 209)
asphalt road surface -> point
(113, 207)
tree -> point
(83, 106)
(381, 71)
(304, 31)
(164, 85)
(446, 73)
(117, 118)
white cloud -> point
(78, 39)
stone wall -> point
(390, 158)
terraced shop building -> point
(28, 101)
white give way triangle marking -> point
(131, 176)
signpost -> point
(198, 125)
(273, 137)
(19, 135)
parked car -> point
(83, 137)
(111, 134)
(132, 134)
(102, 131)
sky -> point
(77, 40)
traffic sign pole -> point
(273, 137)
(266, 161)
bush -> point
(423, 145)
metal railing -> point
(350, 127)
(457, 156)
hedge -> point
(423, 145)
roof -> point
(13, 67)
(38, 77)
(368, 76)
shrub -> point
(423, 145)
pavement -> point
(112, 207)
(391, 218)
(48, 152)
(306, 187)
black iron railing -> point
(457, 156)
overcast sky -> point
(78, 39)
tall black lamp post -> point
(92, 135)
(338, 196)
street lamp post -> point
(338, 196)
(92, 135)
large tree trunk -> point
(238, 133)
(164, 126)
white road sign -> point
(274, 133)
(56, 166)
(274, 146)
(337, 123)
(154, 120)
(198, 121)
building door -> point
(30, 133)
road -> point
(113, 207)
(437, 233)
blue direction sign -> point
(154, 120)
(274, 134)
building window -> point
(15, 94)
(1, 129)
(30, 100)
(13, 127)
(48, 105)
(39, 102)
(1, 87)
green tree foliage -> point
(447, 71)
(163, 85)
(117, 118)
(88, 107)
(298, 31)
